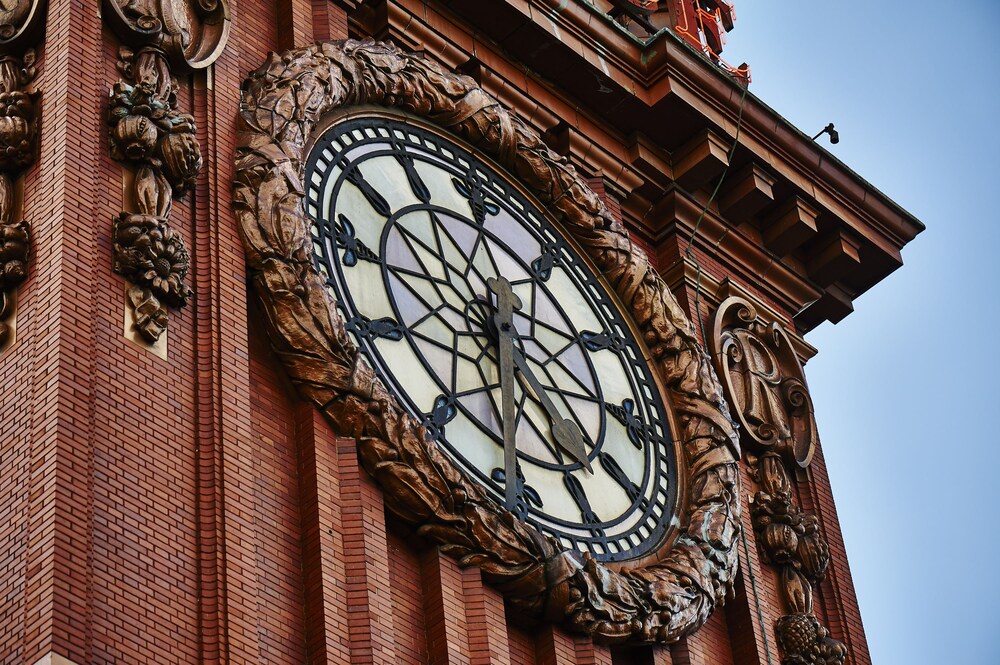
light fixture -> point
(834, 135)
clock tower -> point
(398, 331)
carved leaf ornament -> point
(282, 104)
(18, 147)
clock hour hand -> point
(566, 432)
(503, 319)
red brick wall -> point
(277, 505)
(522, 646)
(192, 509)
(407, 602)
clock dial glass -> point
(408, 229)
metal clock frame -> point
(656, 599)
(486, 186)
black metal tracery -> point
(434, 262)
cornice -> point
(638, 154)
(667, 66)
(743, 258)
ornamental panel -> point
(286, 106)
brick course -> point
(193, 509)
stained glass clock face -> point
(417, 238)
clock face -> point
(491, 329)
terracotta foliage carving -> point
(18, 147)
(764, 381)
(282, 103)
(790, 540)
(766, 386)
(148, 132)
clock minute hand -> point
(503, 319)
(566, 432)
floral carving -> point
(791, 540)
(657, 602)
(18, 146)
(766, 386)
(764, 381)
(149, 132)
(150, 254)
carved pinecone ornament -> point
(806, 642)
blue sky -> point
(906, 387)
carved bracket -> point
(18, 147)
(764, 381)
(659, 601)
(148, 132)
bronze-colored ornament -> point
(151, 255)
(181, 157)
(191, 33)
(791, 541)
(795, 590)
(764, 381)
(282, 103)
(148, 132)
(134, 138)
(21, 24)
(18, 147)
(805, 641)
(813, 552)
(14, 244)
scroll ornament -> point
(148, 132)
(189, 33)
(766, 386)
(21, 24)
(764, 381)
(282, 103)
(18, 146)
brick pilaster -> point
(322, 539)
(661, 656)
(366, 558)
(555, 647)
(486, 619)
(445, 608)
(588, 653)
(295, 23)
(329, 20)
(58, 526)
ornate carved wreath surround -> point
(282, 103)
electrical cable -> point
(688, 254)
(756, 597)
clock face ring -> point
(409, 226)
(285, 106)
(467, 303)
